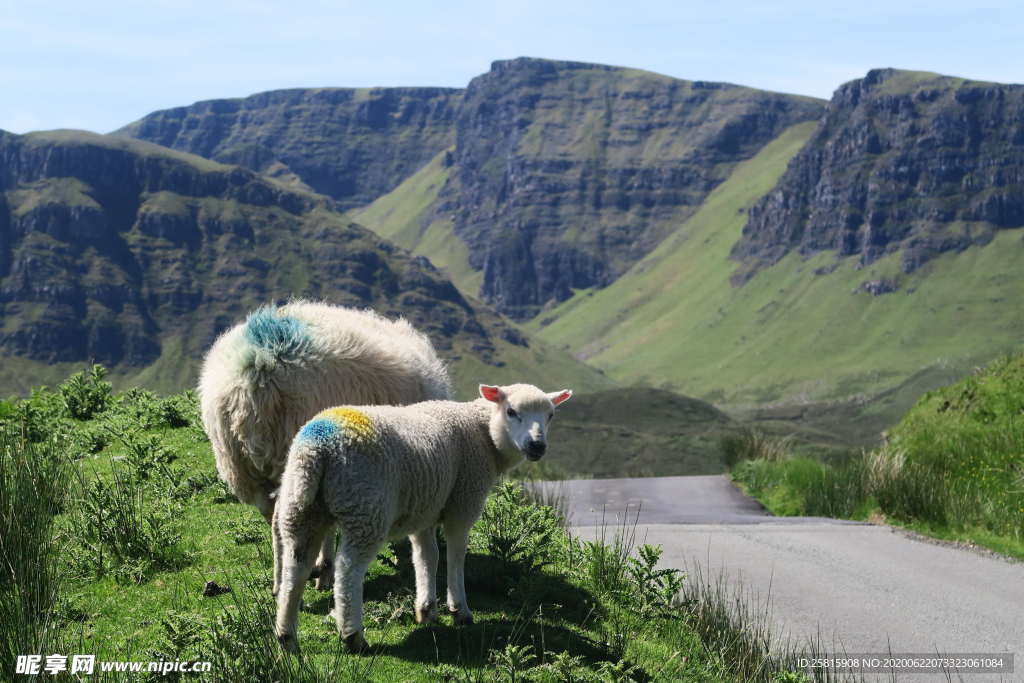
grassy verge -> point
(953, 468)
(157, 562)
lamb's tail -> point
(303, 475)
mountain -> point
(903, 162)
(544, 176)
(136, 256)
(352, 144)
(732, 312)
(790, 260)
(564, 174)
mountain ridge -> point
(543, 202)
(258, 132)
(908, 162)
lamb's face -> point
(521, 415)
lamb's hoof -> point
(356, 643)
(425, 615)
(463, 618)
(288, 642)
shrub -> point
(179, 410)
(511, 662)
(653, 591)
(515, 531)
(114, 531)
(85, 393)
(33, 422)
(144, 410)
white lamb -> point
(382, 472)
(264, 378)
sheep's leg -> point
(350, 567)
(424, 561)
(324, 569)
(456, 533)
(298, 543)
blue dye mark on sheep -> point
(319, 429)
(282, 336)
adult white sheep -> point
(264, 378)
(382, 472)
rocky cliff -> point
(350, 144)
(564, 174)
(123, 252)
(902, 161)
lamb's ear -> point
(557, 397)
(494, 394)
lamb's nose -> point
(536, 448)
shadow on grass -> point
(511, 606)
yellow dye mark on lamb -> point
(356, 426)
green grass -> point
(547, 607)
(805, 487)
(951, 468)
(788, 335)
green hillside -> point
(950, 468)
(638, 431)
(138, 256)
(404, 216)
(795, 332)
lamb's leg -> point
(424, 561)
(351, 564)
(456, 533)
(298, 543)
(324, 569)
(275, 548)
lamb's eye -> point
(512, 413)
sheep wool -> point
(353, 426)
(264, 378)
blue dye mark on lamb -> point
(319, 429)
(284, 337)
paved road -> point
(860, 588)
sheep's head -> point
(520, 417)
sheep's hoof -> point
(463, 618)
(427, 614)
(288, 642)
(356, 643)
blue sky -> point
(103, 64)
